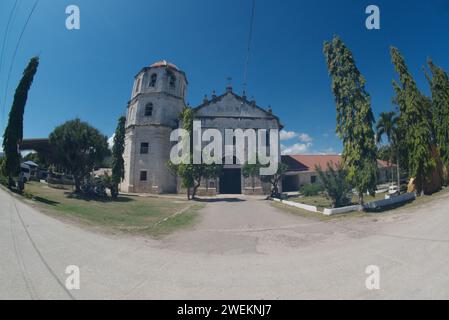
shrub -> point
(335, 184)
(311, 190)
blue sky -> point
(88, 73)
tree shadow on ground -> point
(46, 201)
(219, 200)
(94, 198)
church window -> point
(143, 176)
(144, 148)
(149, 110)
(138, 85)
(153, 80)
(172, 81)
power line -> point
(11, 14)
(17, 48)
(248, 52)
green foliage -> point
(37, 158)
(253, 170)
(78, 147)
(388, 125)
(384, 152)
(2, 167)
(310, 190)
(355, 118)
(415, 123)
(14, 131)
(439, 85)
(275, 179)
(118, 163)
(192, 174)
(335, 183)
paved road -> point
(239, 250)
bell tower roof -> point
(164, 63)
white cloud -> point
(304, 137)
(297, 148)
(327, 151)
(111, 141)
(287, 135)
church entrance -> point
(231, 181)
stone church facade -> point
(157, 100)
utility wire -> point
(5, 37)
(248, 52)
(17, 48)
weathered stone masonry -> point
(157, 100)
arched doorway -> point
(231, 181)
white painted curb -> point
(331, 212)
(298, 205)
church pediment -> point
(231, 105)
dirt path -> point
(239, 250)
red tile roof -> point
(309, 162)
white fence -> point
(331, 212)
(375, 205)
(298, 205)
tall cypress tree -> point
(355, 118)
(118, 164)
(439, 85)
(14, 130)
(415, 123)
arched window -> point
(172, 81)
(138, 85)
(149, 110)
(153, 80)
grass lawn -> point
(151, 216)
(321, 202)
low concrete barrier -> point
(330, 212)
(301, 206)
(390, 202)
(298, 205)
(369, 206)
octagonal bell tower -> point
(157, 100)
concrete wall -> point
(159, 179)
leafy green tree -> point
(118, 163)
(253, 171)
(192, 174)
(78, 147)
(275, 179)
(14, 130)
(384, 152)
(415, 122)
(439, 85)
(336, 185)
(355, 118)
(387, 125)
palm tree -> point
(387, 125)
